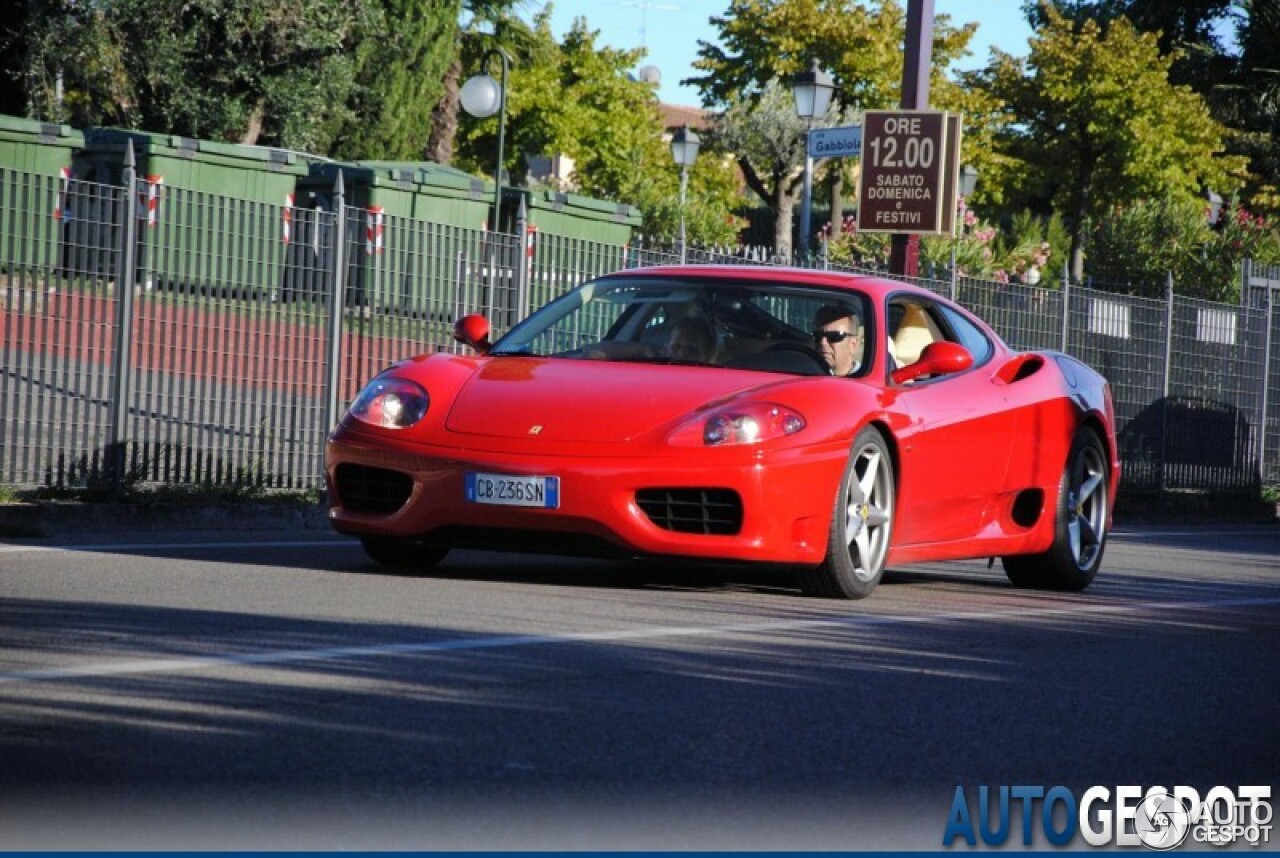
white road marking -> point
(139, 667)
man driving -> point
(838, 336)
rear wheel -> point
(1080, 524)
(403, 553)
(861, 524)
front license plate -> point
(508, 490)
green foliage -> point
(1187, 27)
(75, 48)
(1092, 121)
(852, 247)
(399, 80)
(859, 44)
(768, 139)
(578, 99)
(1250, 103)
(295, 73)
(762, 43)
(1141, 243)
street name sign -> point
(840, 142)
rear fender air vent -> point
(705, 511)
(372, 491)
(1023, 366)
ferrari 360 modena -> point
(832, 423)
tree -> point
(294, 73)
(1091, 120)
(1251, 102)
(13, 61)
(859, 45)
(765, 41)
(769, 141)
(1186, 29)
(399, 79)
(577, 99)
(486, 24)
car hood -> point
(584, 400)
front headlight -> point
(749, 423)
(392, 403)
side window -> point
(968, 335)
(912, 327)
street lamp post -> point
(482, 97)
(684, 150)
(812, 90)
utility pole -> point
(904, 258)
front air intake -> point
(706, 511)
(371, 491)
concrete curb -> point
(47, 519)
(54, 519)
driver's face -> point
(840, 355)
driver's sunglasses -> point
(832, 337)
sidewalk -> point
(50, 519)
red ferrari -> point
(838, 424)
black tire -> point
(861, 524)
(403, 554)
(1081, 521)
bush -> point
(1143, 242)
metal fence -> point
(151, 334)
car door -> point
(955, 444)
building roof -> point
(674, 116)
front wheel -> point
(1080, 524)
(861, 524)
(403, 553)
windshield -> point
(747, 324)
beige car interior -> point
(915, 331)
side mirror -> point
(473, 330)
(940, 358)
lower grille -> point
(705, 511)
(374, 491)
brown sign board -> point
(904, 159)
(951, 174)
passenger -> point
(692, 340)
(838, 336)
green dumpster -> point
(573, 216)
(575, 237)
(211, 216)
(35, 174)
(408, 225)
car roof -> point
(871, 284)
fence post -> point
(116, 454)
(337, 303)
(1167, 382)
(1246, 271)
(1066, 305)
(1266, 377)
(522, 264)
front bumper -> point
(786, 496)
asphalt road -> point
(224, 690)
